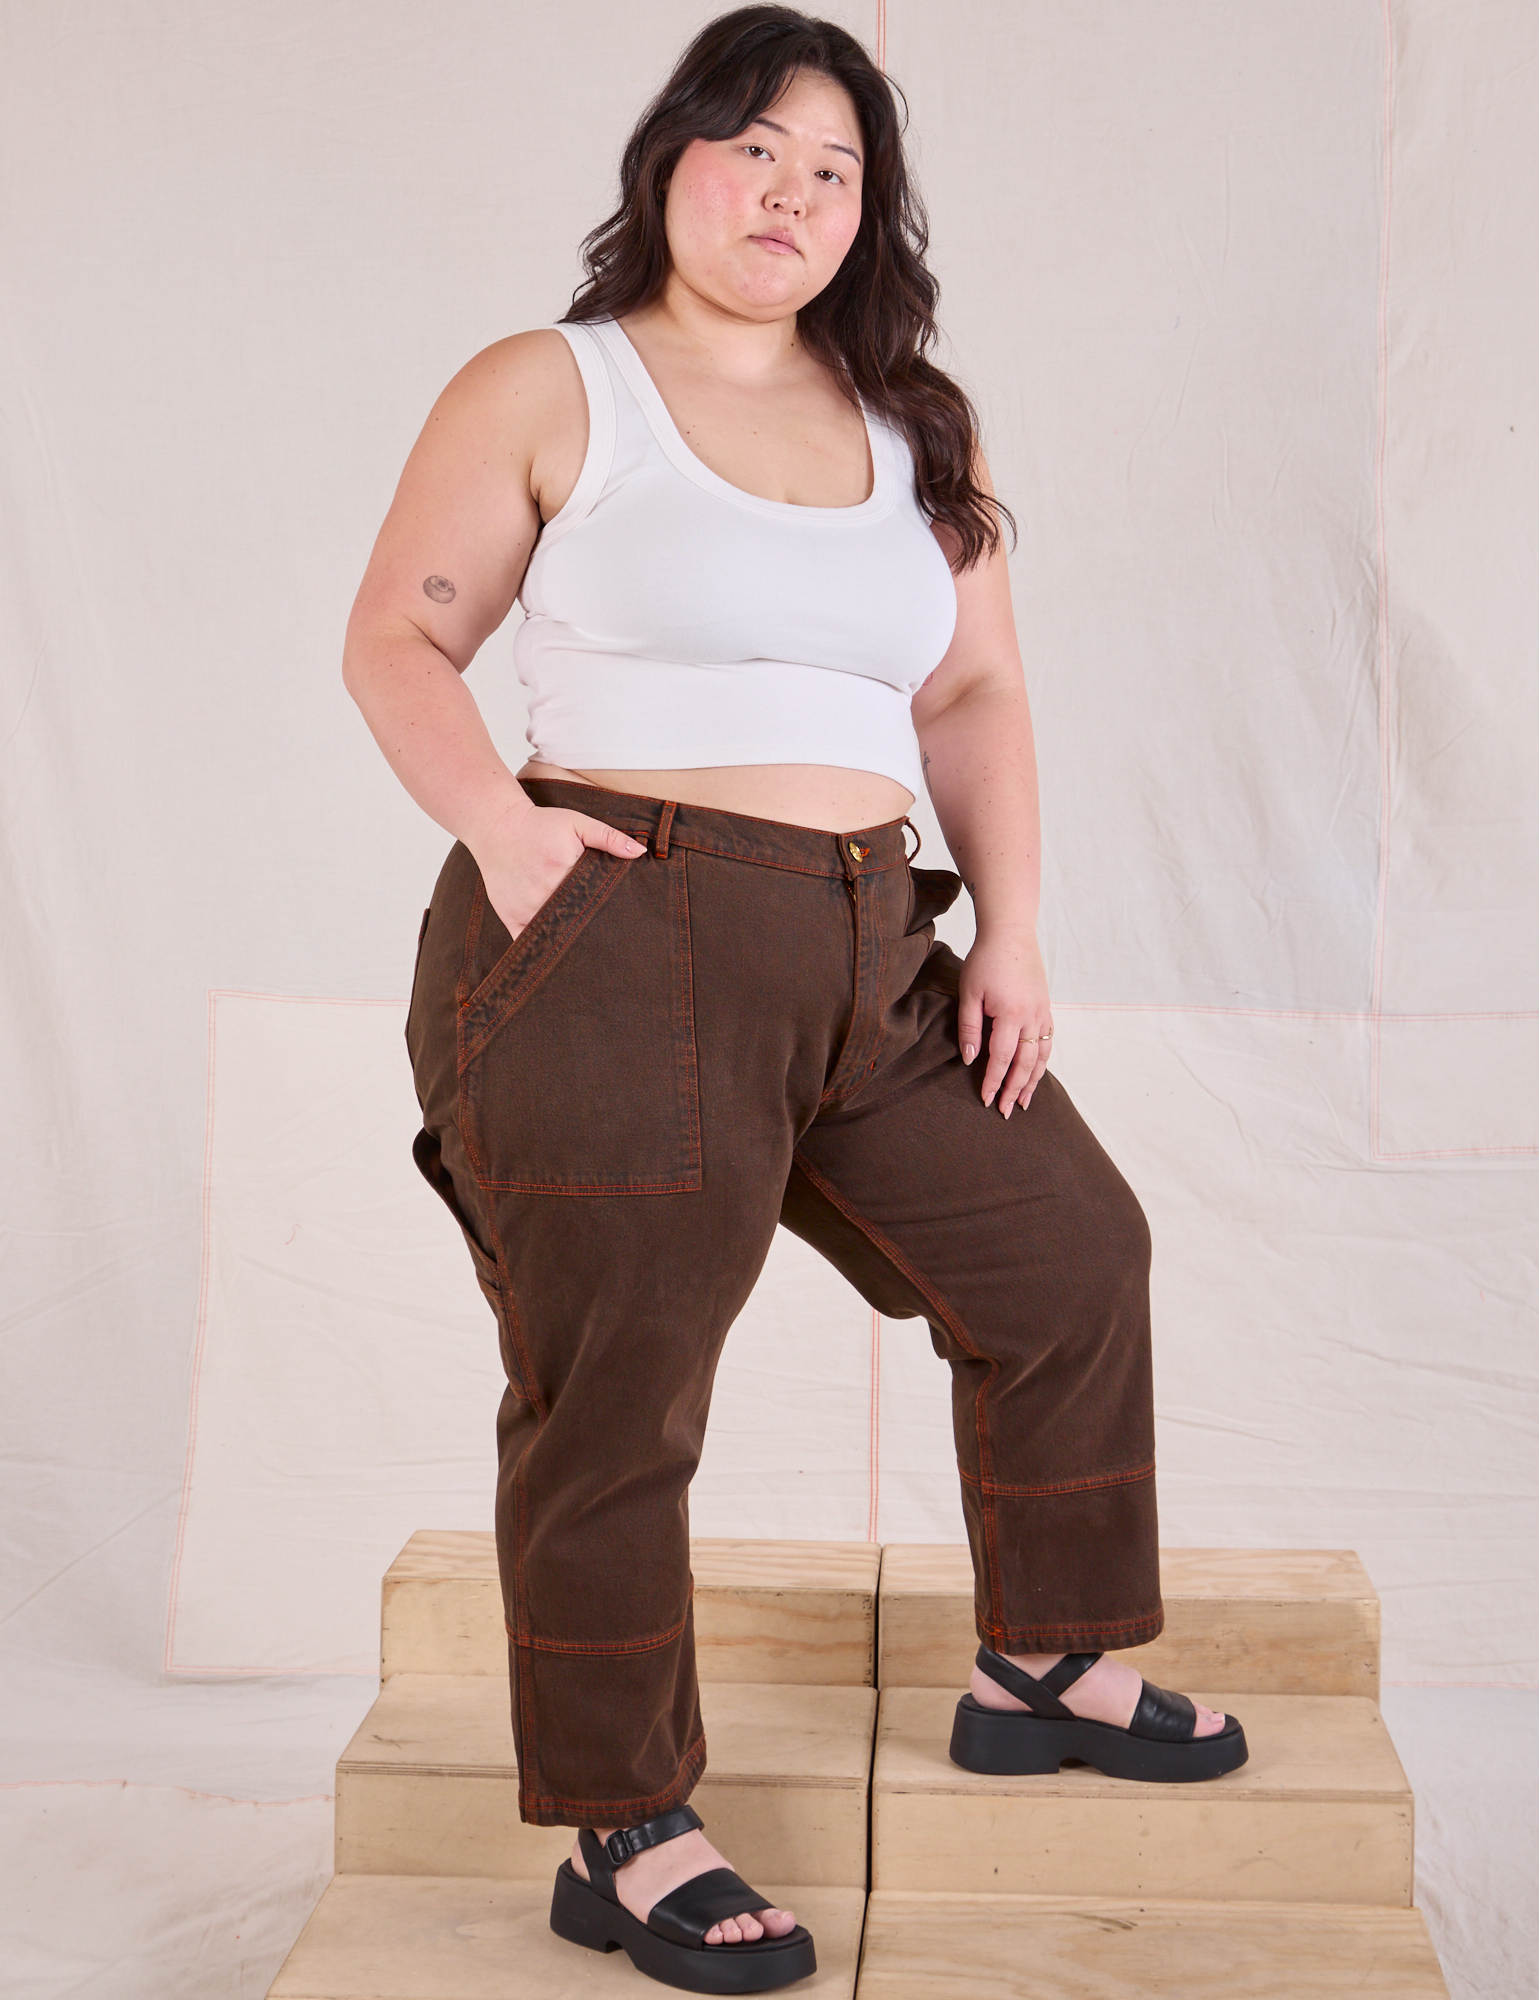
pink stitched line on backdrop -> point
(150, 1785)
(1460, 1153)
(198, 1344)
(874, 1468)
(1386, 709)
(298, 999)
(1286, 1013)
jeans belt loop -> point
(664, 822)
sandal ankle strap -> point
(1040, 1696)
(628, 1840)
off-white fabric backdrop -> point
(1246, 293)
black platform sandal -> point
(670, 1946)
(1157, 1746)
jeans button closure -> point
(857, 853)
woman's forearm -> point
(981, 770)
(426, 721)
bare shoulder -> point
(520, 405)
(476, 485)
(518, 378)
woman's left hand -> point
(1003, 977)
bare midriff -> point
(825, 796)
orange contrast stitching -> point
(785, 867)
(586, 1189)
(530, 1744)
(852, 1054)
(955, 1328)
(687, 1181)
(1091, 1485)
(603, 1811)
(472, 939)
(1017, 1635)
(568, 926)
(686, 1021)
(516, 1325)
(650, 1642)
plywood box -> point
(945, 1947)
(428, 1785)
(422, 1937)
(1261, 1621)
(1322, 1813)
(802, 1613)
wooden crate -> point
(945, 1947)
(423, 1937)
(1259, 1621)
(428, 1785)
(799, 1612)
(1322, 1813)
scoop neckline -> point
(877, 502)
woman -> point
(679, 984)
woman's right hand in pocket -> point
(526, 855)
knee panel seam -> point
(1093, 1483)
(1114, 1632)
(603, 1812)
(649, 1642)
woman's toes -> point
(751, 1926)
(1209, 1721)
(761, 1923)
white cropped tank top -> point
(673, 621)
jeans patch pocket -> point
(577, 1041)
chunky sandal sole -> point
(1010, 1743)
(581, 1915)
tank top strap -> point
(603, 424)
(638, 387)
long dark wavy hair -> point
(874, 323)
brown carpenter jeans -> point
(752, 1024)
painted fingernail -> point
(968, 1052)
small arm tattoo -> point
(439, 588)
(926, 763)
